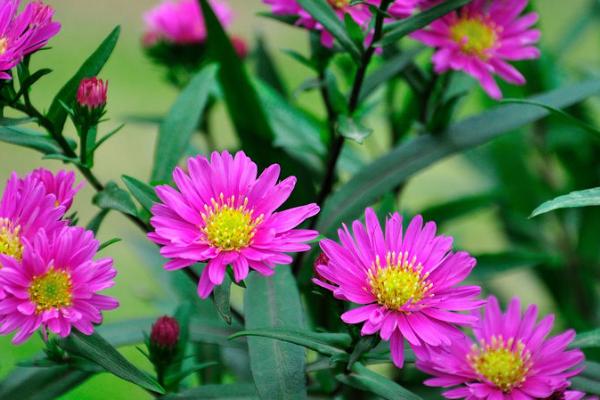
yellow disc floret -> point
(227, 226)
(52, 290)
(10, 240)
(3, 45)
(397, 282)
(475, 36)
(339, 3)
(503, 363)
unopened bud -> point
(240, 46)
(165, 333)
(92, 93)
(322, 259)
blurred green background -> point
(136, 88)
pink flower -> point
(92, 93)
(222, 214)
(510, 359)
(406, 286)
(360, 13)
(481, 39)
(56, 285)
(24, 33)
(181, 21)
(62, 185)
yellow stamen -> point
(504, 363)
(339, 3)
(398, 282)
(227, 226)
(51, 290)
(10, 240)
(3, 45)
(475, 36)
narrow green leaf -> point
(586, 385)
(91, 67)
(352, 129)
(96, 222)
(494, 263)
(174, 379)
(183, 119)
(397, 30)
(143, 192)
(107, 136)
(587, 340)
(274, 302)
(266, 70)
(204, 330)
(115, 198)
(582, 198)
(28, 138)
(238, 391)
(364, 379)
(456, 208)
(325, 343)
(15, 121)
(221, 297)
(323, 13)
(407, 159)
(96, 349)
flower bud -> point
(322, 259)
(240, 46)
(92, 93)
(165, 333)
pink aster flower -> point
(22, 34)
(62, 185)
(510, 359)
(481, 39)
(221, 213)
(405, 284)
(181, 21)
(25, 208)
(56, 285)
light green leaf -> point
(583, 198)
(587, 340)
(28, 138)
(115, 198)
(364, 379)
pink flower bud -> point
(165, 333)
(92, 93)
(240, 46)
(322, 259)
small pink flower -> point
(510, 359)
(92, 93)
(56, 285)
(481, 38)
(24, 33)
(181, 21)
(221, 213)
(406, 284)
(62, 185)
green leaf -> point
(183, 119)
(352, 129)
(456, 208)
(328, 344)
(28, 138)
(587, 340)
(142, 192)
(96, 222)
(238, 391)
(582, 198)
(266, 70)
(364, 379)
(404, 161)
(397, 30)
(109, 243)
(214, 332)
(115, 198)
(587, 385)
(323, 13)
(96, 349)
(107, 136)
(15, 121)
(174, 379)
(90, 68)
(274, 302)
(493, 263)
(221, 297)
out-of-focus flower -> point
(56, 285)
(407, 286)
(481, 39)
(510, 359)
(223, 214)
(92, 93)
(61, 185)
(240, 46)
(24, 33)
(165, 333)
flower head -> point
(24, 33)
(92, 93)
(165, 332)
(406, 285)
(61, 185)
(223, 214)
(510, 359)
(56, 285)
(481, 38)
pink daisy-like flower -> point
(22, 34)
(223, 214)
(360, 13)
(181, 21)
(25, 208)
(510, 359)
(481, 39)
(56, 285)
(62, 185)
(406, 286)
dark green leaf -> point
(28, 138)
(490, 264)
(107, 136)
(15, 121)
(441, 213)
(217, 392)
(352, 129)
(183, 119)
(115, 198)
(94, 224)
(277, 367)
(266, 70)
(108, 243)
(142, 192)
(96, 349)
(407, 159)
(587, 385)
(174, 379)
(582, 198)
(221, 296)
(364, 379)
(325, 343)
(397, 30)
(587, 340)
(91, 67)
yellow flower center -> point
(3, 45)
(339, 3)
(475, 36)
(51, 290)
(503, 363)
(227, 226)
(10, 240)
(401, 280)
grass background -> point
(136, 88)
